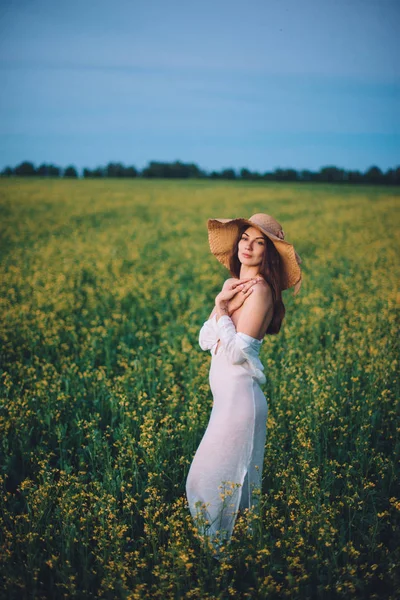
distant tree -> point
(71, 172)
(54, 171)
(228, 174)
(175, 170)
(331, 174)
(48, 170)
(248, 175)
(306, 175)
(214, 175)
(114, 170)
(25, 169)
(279, 175)
(245, 174)
(290, 175)
(374, 175)
(192, 171)
(7, 172)
(131, 171)
(355, 177)
(155, 169)
(42, 170)
(186, 170)
(98, 172)
(195, 171)
(392, 176)
(267, 176)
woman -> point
(226, 471)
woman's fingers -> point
(245, 287)
(248, 291)
(242, 282)
(235, 284)
(242, 297)
(241, 290)
(242, 285)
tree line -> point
(180, 170)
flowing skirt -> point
(226, 471)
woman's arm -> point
(209, 335)
(213, 312)
(225, 285)
(252, 321)
(257, 312)
(210, 332)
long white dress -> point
(226, 471)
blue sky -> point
(256, 84)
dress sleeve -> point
(232, 343)
(209, 334)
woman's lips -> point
(246, 255)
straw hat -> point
(222, 234)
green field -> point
(105, 395)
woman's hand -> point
(233, 294)
(237, 300)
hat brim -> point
(222, 234)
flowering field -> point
(105, 394)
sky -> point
(260, 84)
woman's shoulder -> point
(264, 285)
(229, 280)
(262, 290)
(260, 303)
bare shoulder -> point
(261, 297)
(227, 281)
(257, 311)
(262, 289)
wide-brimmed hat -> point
(222, 234)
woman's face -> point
(251, 247)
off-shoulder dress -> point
(226, 472)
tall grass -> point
(105, 394)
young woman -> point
(226, 471)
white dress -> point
(226, 471)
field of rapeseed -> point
(105, 394)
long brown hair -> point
(270, 269)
